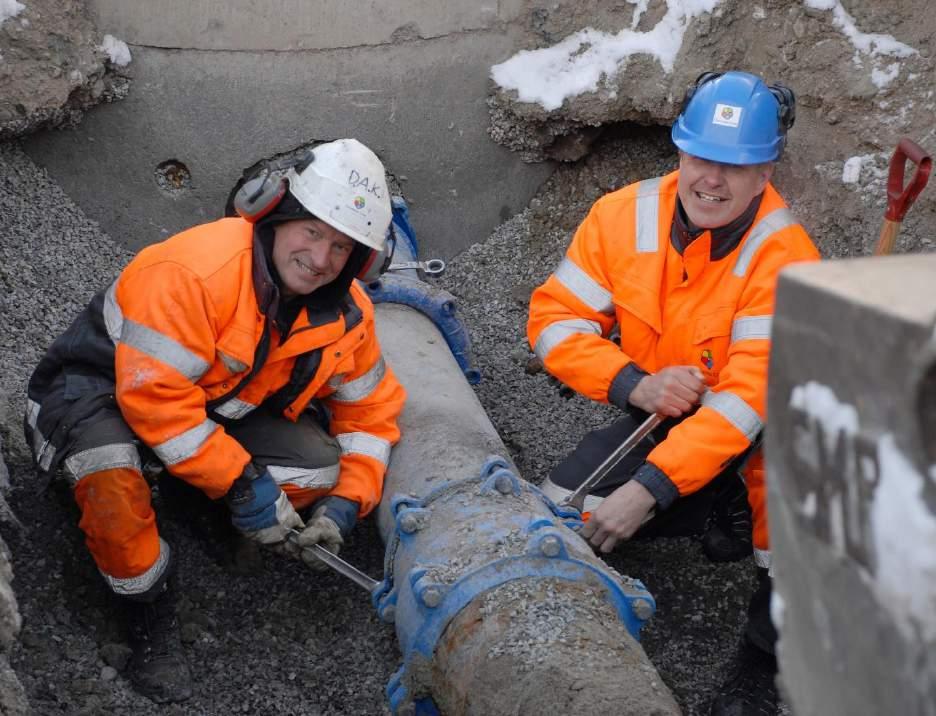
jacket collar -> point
(724, 238)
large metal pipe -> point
(499, 607)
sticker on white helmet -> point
(727, 115)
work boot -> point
(157, 669)
(727, 537)
(751, 690)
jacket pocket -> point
(711, 334)
(715, 324)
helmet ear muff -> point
(786, 113)
(787, 101)
(377, 262)
(260, 193)
(691, 89)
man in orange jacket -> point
(685, 266)
(240, 357)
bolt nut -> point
(551, 546)
(388, 614)
(431, 596)
(642, 609)
(503, 484)
(409, 523)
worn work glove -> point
(331, 522)
(260, 509)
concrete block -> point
(852, 485)
(419, 105)
(283, 25)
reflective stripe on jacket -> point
(181, 326)
(672, 310)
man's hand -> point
(619, 516)
(321, 530)
(671, 392)
(260, 509)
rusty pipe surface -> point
(499, 606)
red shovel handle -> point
(899, 197)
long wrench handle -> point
(577, 498)
(337, 563)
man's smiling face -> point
(308, 253)
(715, 194)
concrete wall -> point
(217, 87)
(851, 452)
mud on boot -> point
(751, 690)
(158, 669)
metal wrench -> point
(336, 563)
(577, 498)
(432, 267)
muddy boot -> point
(751, 690)
(727, 537)
(157, 669)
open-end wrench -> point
(432, 267)
(577, 498)
(336, 563)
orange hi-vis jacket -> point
(185, 322)
(672, 309)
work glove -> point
(331, 522)
(259, 509)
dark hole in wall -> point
(172, 176)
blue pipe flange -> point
(446, 601)
(425, 598)
(493, 462)
(437, 305)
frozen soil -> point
(281, 639)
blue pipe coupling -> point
(470, 536)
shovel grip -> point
(900, 197)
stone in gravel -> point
(116, 655)
(86, 686)
(533, 366)
(108, 673)
(190, 632)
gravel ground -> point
(281, 640)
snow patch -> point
(821, 404)
(580, 62)
(882, 78)
(902, 526)
(904, 532)
(869, 43)
(10, 8)
(809, 506)
(851, 171)
(777, 609)
(117, 50)
(641, 8)
(873, 44)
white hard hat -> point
(346, 187)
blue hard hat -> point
(734, 118)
